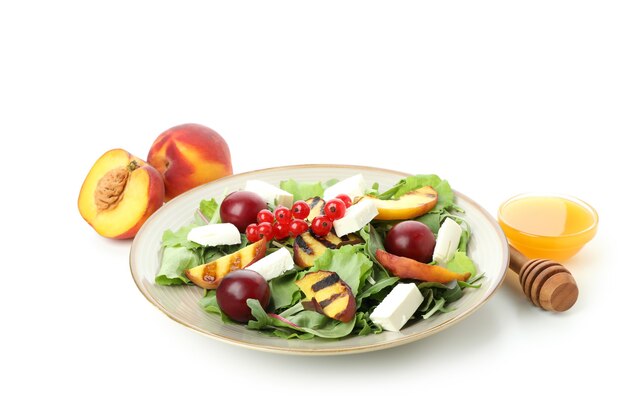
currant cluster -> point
(281, 224)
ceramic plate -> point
(488, 248)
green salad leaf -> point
(284, 291)
(305, 321)
(173, 264)
(349, 262)
(179, 238)
(461, 263)
(446, 195)
(302, 190)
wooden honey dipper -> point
(547, 284)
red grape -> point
(335, 209)
(252, 233)
(297, 227)
(237, 287)
(240, 208)
(321, 225)
(411, 239)
(282, 214)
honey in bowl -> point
(547, 226)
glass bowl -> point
(550, 226)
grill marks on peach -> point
(327, 292)
(210, 275)
(316, 204)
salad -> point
(325, 259)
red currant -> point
(335, 209)
(300, 210)
(346, 199)
(265, 216)
(252, 233)
(266, 231)
(281, 231)
(282, 215)
(297, 227)
(321, 225)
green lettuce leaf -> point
(446, 195)
(175, 260)
(179, 238)
(302, 190)
(461, 263)
(349, 262)
(210, 210)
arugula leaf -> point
(432, 220)
(306, 321)
(302, 190)
(284, 291)
(373, 242)
(175, 260)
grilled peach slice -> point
(328, 292)
(403, 267)
(210, 275)
(410, 205)
(308, 247)
(316, 205)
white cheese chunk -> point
(397, 307)
(274, 264)
(357, 216)
(215, 234)
(448, 239)
(353, 186)
(270, 193)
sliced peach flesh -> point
(140, 194)
(408, 206)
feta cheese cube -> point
(448, 239)
(215, 234)
(274, 264)
(353, 186)
(357, 216)
(397, 307)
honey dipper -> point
(546, 283)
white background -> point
(498, 97)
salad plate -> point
(487, 247)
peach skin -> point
(402, 267)
(119, 194)
(189, 155)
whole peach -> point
(189, 155)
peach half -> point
(119, 194)
(189, 155)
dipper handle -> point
(546, 283)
